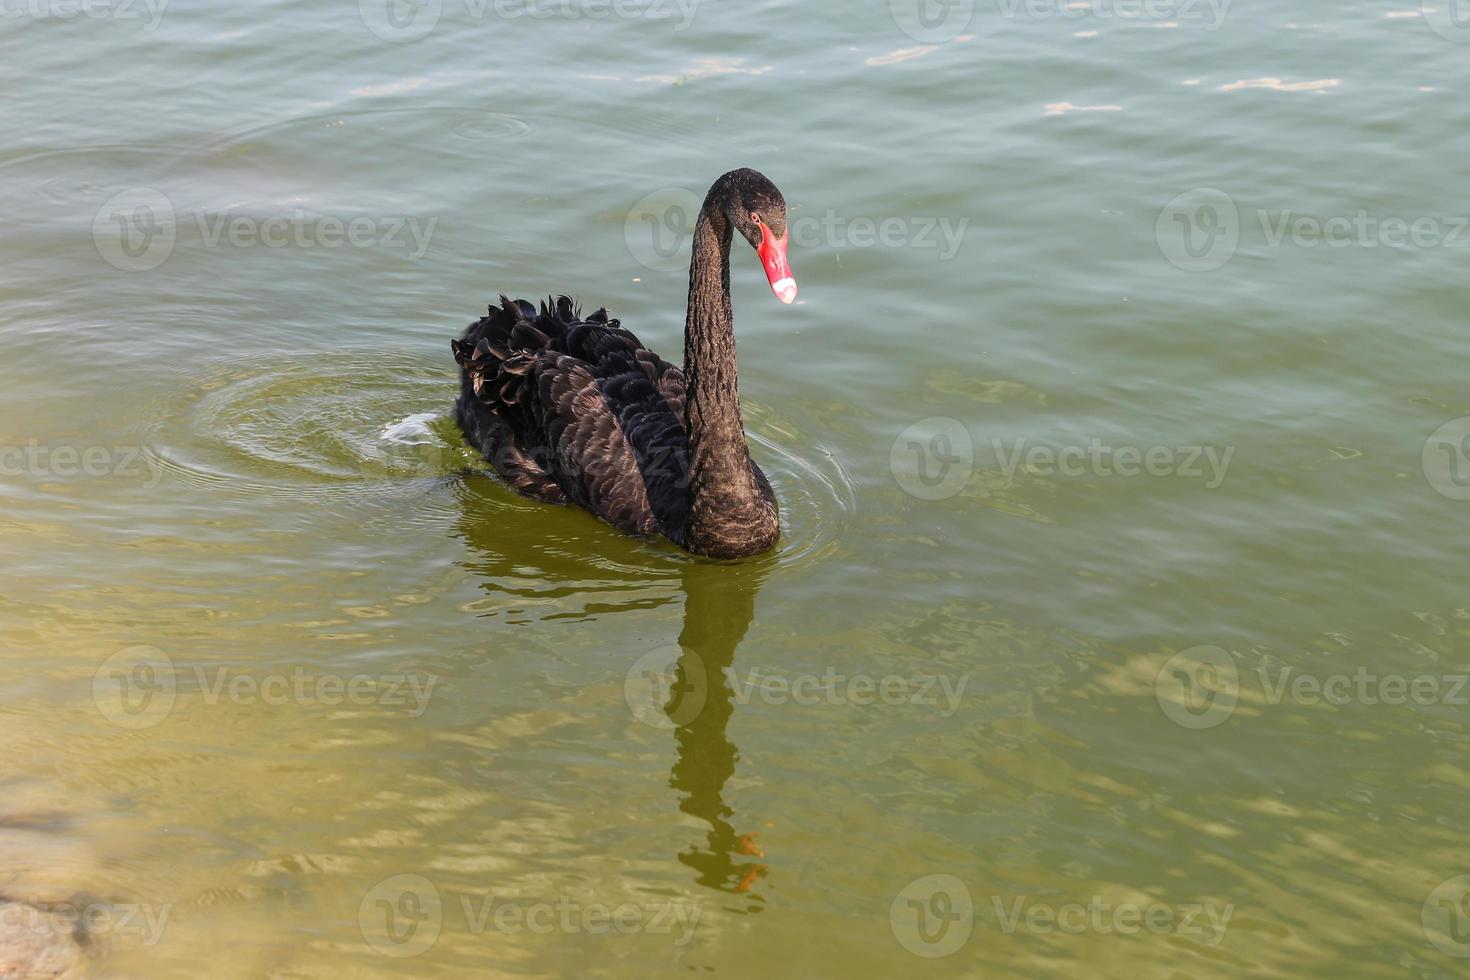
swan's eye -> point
(755, 217)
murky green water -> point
(1119, 625)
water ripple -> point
(354, 426)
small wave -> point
(309, 425)
(813, 488)
(358, 427)
(412, 431)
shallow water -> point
(1120, 435)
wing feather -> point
(581, 406)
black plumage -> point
(573, 410)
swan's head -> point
(754, 207)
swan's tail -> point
(488, 344)
(498, 349)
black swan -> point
(579, 411)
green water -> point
(1120, 437)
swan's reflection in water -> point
(539, 564)
(719, 605)
(536, 564)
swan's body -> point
(579, 411)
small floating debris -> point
(1062, 108)
(1277, 85)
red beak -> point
(772, 251)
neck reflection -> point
(719, 606)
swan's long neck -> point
(725, 501)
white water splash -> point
(412, 431)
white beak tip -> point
(785, 290)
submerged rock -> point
(37, 944)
